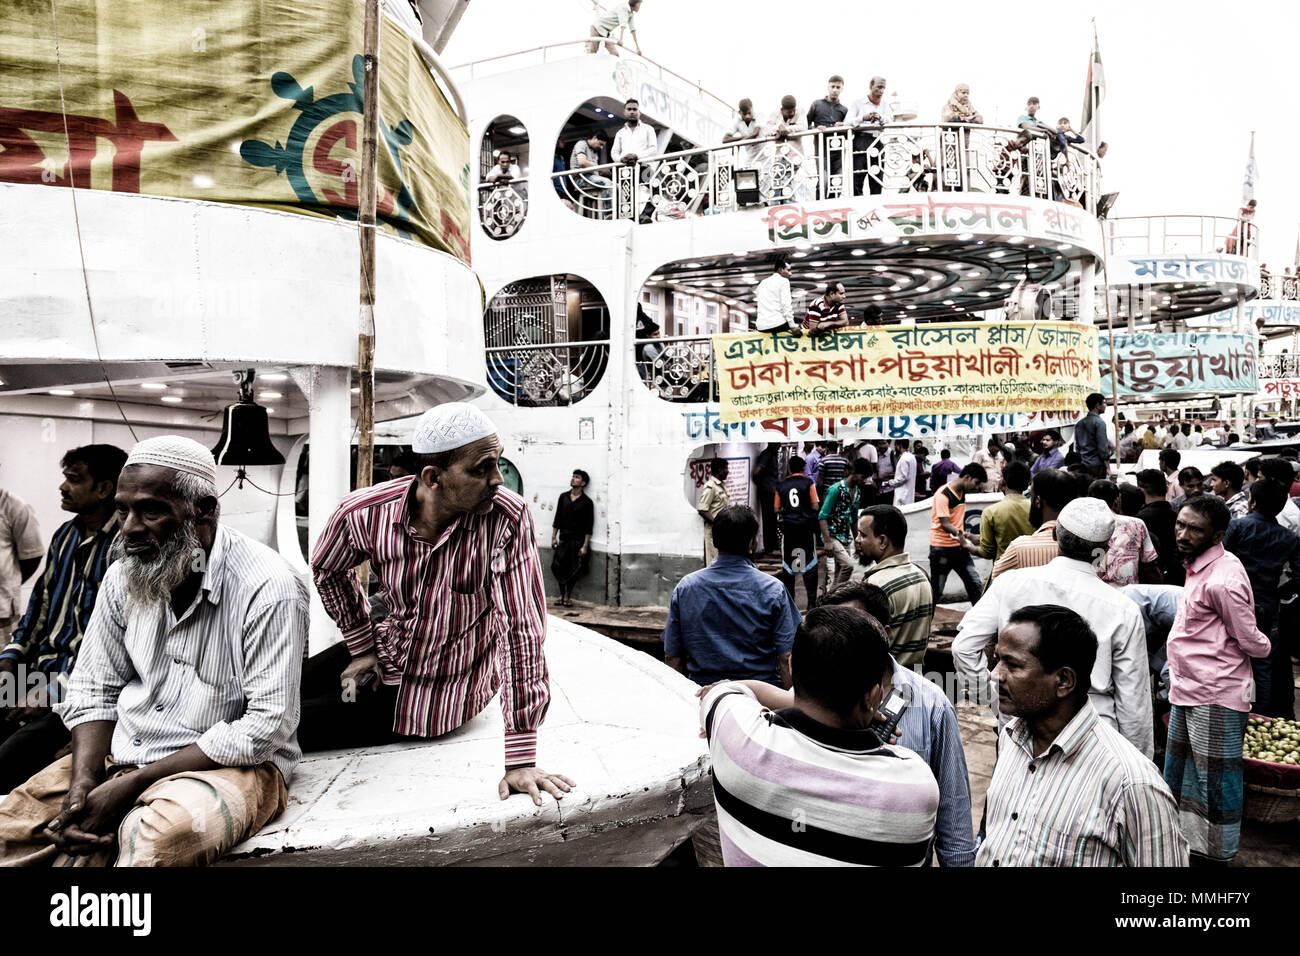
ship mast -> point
(366, 235)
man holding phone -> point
(868, 803)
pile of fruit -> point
(1276, 740)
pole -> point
(366, 235)
(1110, 332)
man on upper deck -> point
(456, 556)
(870, 111)
(635, 142)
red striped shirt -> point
(466, 611)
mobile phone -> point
(367, 679)
(890, 711)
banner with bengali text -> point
(1276, 389)
(936, 369)
(1170, 364)
(244, 101)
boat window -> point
(547, 340)
(586, 179)
(503, 177)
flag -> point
(1093, 95)
(1252, 174)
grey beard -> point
(150, 583)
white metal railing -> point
(678, 368)
(1279, 366)
(835, 163)
(1274, 286)
(569, 49)
(1172, 235)
(546, 374)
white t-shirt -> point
(20, 540)
(775, 309)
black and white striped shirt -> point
(224, 676)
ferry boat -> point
(194, 258)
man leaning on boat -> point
(456, 556)
(184, 701)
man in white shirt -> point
(1121, 683)
(870, 111)
(21, 550)
(622, 16)
(775, 312)
(745, 127)
(635, 142)
(903, 484)
(183, 705)
(505, 168)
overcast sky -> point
(1186, 82)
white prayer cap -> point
(180, 454)
(450, 425)
(1089, 518)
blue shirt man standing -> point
(730, 621)
(1090, 438)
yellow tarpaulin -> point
(237, 101)
(948, 369)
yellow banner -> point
(240, 101)
(939, 369)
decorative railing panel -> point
(832, 164)
(502, 207)
(1274, 286)
(546, 375)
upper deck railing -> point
(1279, 366)
(570, 49)
(1274, 286)
(1186, 235)
(835, 163)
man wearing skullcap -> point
(1120, 687)
(184, 702)
(456, 556)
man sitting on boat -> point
(183, 703)
(456, 556)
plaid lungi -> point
(1203, 770)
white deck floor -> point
(622, 725)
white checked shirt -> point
(1120, 680)
(225, 675)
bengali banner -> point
(935, 369)
(1173, 364)
(244, 101)
(1276, 389)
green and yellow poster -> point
(240, 101)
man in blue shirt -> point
(1090, 438)
(1051, 456)
(1265, 548)
(730, 621)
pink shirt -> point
(1130, 545)
(1214, 635)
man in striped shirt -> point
(882, 534)
(183, 704)
(812, 784)
(827, 313)
(44, 645)
(456, 557)
(1068, 789)
(1051, 491)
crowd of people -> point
(154, 697)
(1123, 623)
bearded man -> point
(184, 703)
